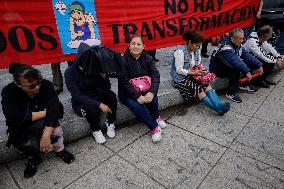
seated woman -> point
(32, 109)
(185, 60)
(137, 63)
(91, 95)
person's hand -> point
(45, 144)
(198, 72)
(249, 76)
(104, 108)
(149, 97)
(279, 62)
(141, 100)
(79, 34)
(260, 70)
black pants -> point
(233, 75)
(204, 47)
(92, 114)
(267, 70)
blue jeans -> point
(148, 113)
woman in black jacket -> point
(32, 109)
(137, 63)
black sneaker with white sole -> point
(234, 97)
(249, 88)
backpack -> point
(95, 60)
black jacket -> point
(17, 107)
(132, 68)
(85, 89)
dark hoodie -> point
(17, 107)
(132, 68)
(85, 89)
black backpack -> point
(94, 60)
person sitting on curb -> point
(258, 46)
(32, 109)
(144, 104)
(231, 59)
(91, 93)
(185, 59)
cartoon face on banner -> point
(76, 23)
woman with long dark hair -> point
(186, 60)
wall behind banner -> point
(29, 34)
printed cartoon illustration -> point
(60, 7)
(80, 23)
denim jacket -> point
(176, 77)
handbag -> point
(204, 79)
(141, 84)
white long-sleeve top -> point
(263, 51)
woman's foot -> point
(99, 137)
(31, 166)
(66, 156)
(162, 124)
(110, 130)
(156, 134)
(225, 108)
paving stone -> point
(249, 106)
(263, 141)
(237, 171)
(204, 122)
(271, 110)
(54, 173)
(6, 180)
(125, 136)
(115, 173)
(278, 92)
(178, 156)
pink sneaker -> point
(156, 136)
(161, 122)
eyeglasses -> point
(33, 85)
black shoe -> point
(66, 156)
(205, 55)
(156, 60)
(263, 84)
(31, 165)
(269, 82)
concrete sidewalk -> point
(243, 149)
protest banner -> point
(40, 32)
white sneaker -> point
(110, 130)
(161, 123)
(99, 137)
(156, 136)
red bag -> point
(141, 84)
(204, 79)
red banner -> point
(31, 32)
